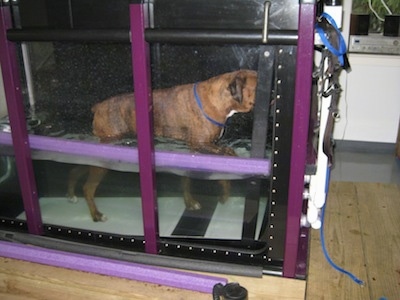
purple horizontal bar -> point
(175, 160)
(109, 267)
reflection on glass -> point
(68, 79)
(10, 196)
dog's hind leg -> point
(74, 175)
(190, 202)
(226, 187)
(96, 174)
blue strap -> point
(342, 45)
(196, 96)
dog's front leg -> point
(74, 175)
(190, 202)
(96, 174)
(226, 187)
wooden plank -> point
(25, 280)
(362, 234)
(344, 244)
(271, 287)
(35, 281)
(379, 206)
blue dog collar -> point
(198, 101)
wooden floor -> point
(362, 231)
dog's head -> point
(242, 86)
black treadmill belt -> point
(195, 222)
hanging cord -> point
(323, 245)
(375, 12)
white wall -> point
(370, 101)
(370, 104)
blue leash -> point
(322, 235)
(196, 96)
(340, 53)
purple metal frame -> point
(12, 88)
(169, 160)
(301, 117)
(144, 118)
(132, 271)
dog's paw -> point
(223, 199)
(99, 217)
(73, 199)
(194, 205)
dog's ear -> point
(235, 88)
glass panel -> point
(206, 205)
(64, 80)
(214, 209)
(117, 197)
(178, 65)
(11, 204)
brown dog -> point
(176, 116)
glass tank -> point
(213, 192)
(66, 80)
